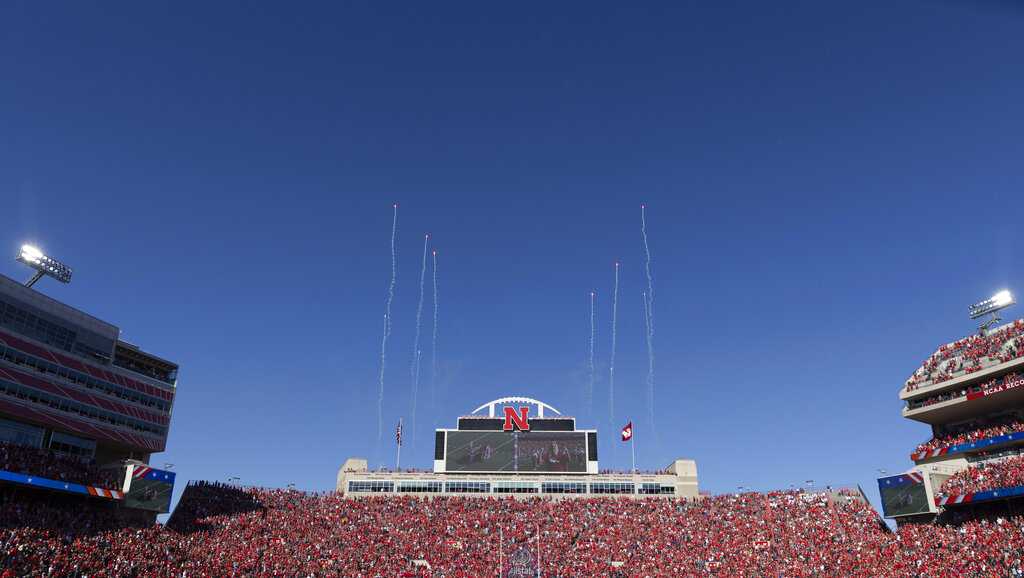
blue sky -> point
(829, 187)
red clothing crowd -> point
(223, 531)
(970, 354)
(47, 464)
(975, 431)
(1003, 473)
(995, 384)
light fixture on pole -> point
(993, 305)
(44, 265)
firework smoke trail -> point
(648, 316)
(650, 360)
(414, 370)
(387, 326)
(611, 365)
(433, 343)
(589, 394)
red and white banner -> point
(1011, 381)
(627, 432)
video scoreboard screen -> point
(149, 489)
(515, 451)
(903, 495)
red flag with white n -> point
(627, 432)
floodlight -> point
(1000, 300)
(43, 265)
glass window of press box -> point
(656, 489)
(20, 434)
(47, 329)
(371, 486)
(419, 486)
(611, 488)
(564, 488)
(43, 366)
(63, 404)
(467, 487)
(515, 488)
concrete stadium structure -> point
(515, 455)
(71, 387)
(974, 380)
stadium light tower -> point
(993, 305)
(44, 265)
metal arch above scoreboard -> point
(491, 405)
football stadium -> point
(516, 488)
(343, 289)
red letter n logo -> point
(520, 419)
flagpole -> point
(538, 551)
(632, 445)
(398, 457)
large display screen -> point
(480, 451)
(150, 489)
(902, 499)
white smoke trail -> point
(611, 365)
(589, 394)
(433, 345)
(387, 326)
(648, 317)
(647, 338)
(414, 370)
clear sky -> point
(829, 187)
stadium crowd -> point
(48, 464)
(229, 531)
(1001, 473)
(974, 431)
(1008, 381)
(970, 354)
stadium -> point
(515, 490)
(516, 455)
(335, 289)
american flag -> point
(398, 433)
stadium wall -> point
(679, 480)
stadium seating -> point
(979, 388)
(47, 464)
(972, 432)
(970, 354)
(1003, 473)
(228, 531)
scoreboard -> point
(515, 443)
(147, 488)
(515, 451)
(905, 495)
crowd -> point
(972, 432)
(1009, 380)
(229, 531)
(1001, 473)
(970, 354)
(48, 464)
